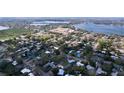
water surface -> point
(3, 28)
(48, 22)
(101, 28)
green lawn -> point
(11, 33)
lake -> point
(40, 23)
(101, 28)
(3, 28)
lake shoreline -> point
(101, 28)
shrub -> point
(44, 37)
(45, 58)
(55, 71)
(9, 69)
(75, 70)
(104, 44)
(58, 58)
(88, 50)
(3, 64)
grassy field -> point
(11, 33)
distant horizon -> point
(61, 18)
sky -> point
(61, 8)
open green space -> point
(11, 33)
